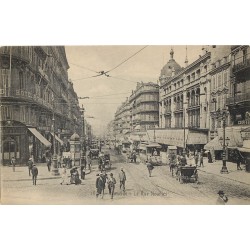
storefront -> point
(245, 149)
(38, 145)
(194, 140)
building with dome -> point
(170, 69)
(183, 98)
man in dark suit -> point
(34, 172)
(99, 185)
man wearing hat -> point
(122, 177)
(34, 172)
(222, 199)
(30, 165)
(99, 185)
(111, 185)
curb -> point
(225, 176)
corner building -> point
(35, 95)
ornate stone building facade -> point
(185, 97)
(36, 99)
(140, 111)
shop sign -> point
(246, 121)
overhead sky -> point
(107, 93)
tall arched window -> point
(21, 82)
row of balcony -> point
(238, 98)
(241, 65)
(19, 52)
(136, 111)
(26, 95)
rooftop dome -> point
(75, 137)
(170, 67)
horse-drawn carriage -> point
(94, 153)
(187, 174)
(104, 161)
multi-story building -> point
(36, 99)
(184, 103)
(122, 119)
(144, 106)
(220, 89)
(238, 101)
(140, 111)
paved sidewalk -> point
(240, 176)
(233, 174)
(22, 172)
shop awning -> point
(153, 145)
(175, 137)
(57, 138)
(43, 140)
(246, 147)
(213, 144)
(196, 138)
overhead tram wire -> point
(105, 72)
(84, 67)
(127, 59)
(111, 94)
(123, 79)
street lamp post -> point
(83, 136)
(54, 165)
(223, 140)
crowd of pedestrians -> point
(103, 178)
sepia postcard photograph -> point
(125, 124)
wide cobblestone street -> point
(161, 188)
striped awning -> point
(43, 140)
(57, 138)
(213, 144)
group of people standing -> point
(103, 178)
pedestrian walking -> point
(122, 177)
(59, 162)
(238, 161)
(30, 165)
(64, 175)
(89, 162)
(83, 167)
(99, 185)
(183, 160)
(222, 199)
(209, 156)
(196, 158)
(150, 167)
(111, 185)
(134, 156)
(34, 172)
(127, 156)
(201, 160)
(49, 164)
(13, 163)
